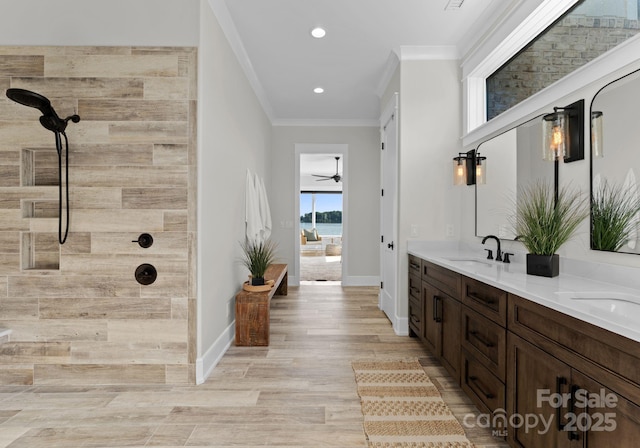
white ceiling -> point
(351, 62)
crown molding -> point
(229, 29)
(356, 123)
(413, 53)
(389, 69)
(427, 52)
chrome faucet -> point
(498, 251)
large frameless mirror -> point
(515, 158)
(615, 166)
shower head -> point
(31, 99)
(49, 119)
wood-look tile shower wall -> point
(76, 312)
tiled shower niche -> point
(39, 168)
(40, 251)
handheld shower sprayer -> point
(51, 121)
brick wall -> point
(573, 42)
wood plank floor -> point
(298, 392)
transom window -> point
(584, 32)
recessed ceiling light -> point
(318, 90)
(318, 32)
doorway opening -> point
(321, 205)
(321, 236)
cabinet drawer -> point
(580, 344)
(416, 317)
(415, 287)
(485, 299)
(486, 340)
(415, 265)
(445, 280)
(485, 389)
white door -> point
(388, 211)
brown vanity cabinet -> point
(441, 310)
(512, 356)
(548, 350)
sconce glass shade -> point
(481, 169)
(596, 134)
(459, 171)
(555, 135)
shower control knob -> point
(146, 274)
(144, 240)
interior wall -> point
(363, 232)
(430, 129)
(112, 23)
(76, 312)
(235, 135)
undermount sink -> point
(612, 303)
(470, 261)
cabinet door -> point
(431, 319)
(449, 311)
(416, 318)
(601, 425)
(531, 373)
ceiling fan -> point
(337, 177)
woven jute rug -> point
(403, 408)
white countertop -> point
(578, 291)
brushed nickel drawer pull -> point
(481, 339)
(479, 386)
(415, 266)
(481, 299)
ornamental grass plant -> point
(257, 256)
(614, 216)
(544, 224)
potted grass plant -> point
(544, 223)
(257, 256)
(614, 215)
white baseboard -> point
(213, 355)
(401, 326)
(352, 280)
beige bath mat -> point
(402, 408)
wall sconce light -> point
(596, 134)
(469, 168)
(563, 133)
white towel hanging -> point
(265, 212)
(252, 210)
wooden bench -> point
(252, 308)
